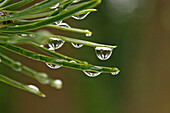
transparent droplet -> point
(55, 6)
(115, 73)
(42, 78)
(17, 66)
(31, 35)
(57, 23)
(57, 84)
(88, 34)
(41, 45)
(72, 61)
(55, 43)
(82, 16)
(52, 66)
(24, 35)
(34, 88)
(92, 73)
(103, 53)
(61, 23)
(77, 45)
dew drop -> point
(55, 6)
(82, 16)
(57, 84)
(52, 66)
(55, 43)
(41, 45)
(103, 53)
(77, 45)
(92, 73)
(88, 34)
(17, 66)
(24, 35)
(115, 73)
(62, 24)
(72, 61)
(34, 88)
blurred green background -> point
(141, 30)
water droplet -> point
(115, 73)
(58, 22)
(103, 53)
(61, 23)
(92, 73)
(89, 33)
(17, 66)
(41, 45)
(55, 6)
(55, 43)
(77, 45)
(24, 35)
(31, 35)
(52, 66)
(57, 84)
(72, 61)
(82, 16)
(34, 88)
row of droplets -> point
(77, 17)
(103, 53)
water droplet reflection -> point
(82, 16)
(92, 73)
(103, 53)
(55, 43)
(77, 45)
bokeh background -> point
(141, 30)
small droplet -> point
(115, 73)
(62, 24)
(34, 88)
(17, 66)
(55, 6)
(52, 66)
(41, 45)
(82, 16)
(72, 61)
(88, 34)
(55, 43)
(24, 35)
(92, 73)
(77, 45)
(57, 84)
(103, 53)
(57, 23)
(31, 35)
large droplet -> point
(82, 16)
(52, 66)
(57, 84)
(33, 88)
(77, 45)
(103, 53)
(92, 73)
(55, 43)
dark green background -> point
(141, 32)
